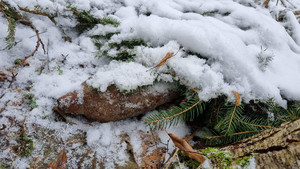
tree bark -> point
(274, 148)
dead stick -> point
(38, 42)
(37, 12)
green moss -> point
(33, 104)
(29, 96)
(243, 161)
(187, 161)
(223, 159)
(18, 61)
(60, 72)
(217, 157)
(25, 145)
(31, 101)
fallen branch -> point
(170, 117)
(4, 107)
(16, 16)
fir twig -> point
(38, 12)
(177, 114)
(231, 119)
(255, 125)
(10, 38)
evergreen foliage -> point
(186, 111)
(87, 21)
(121, 51)
(10, 16)
(226, 122)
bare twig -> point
(38, 42)
(83, 157)
(283, 3)
(13, 78)
(2, 95)
(79, 141)
(37, 12)
(35, 162)
(4, 107)
(172, 158)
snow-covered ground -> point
(242, 46)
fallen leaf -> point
(61, 161)
(184, 146)
(3, 76)
(266, 3)
(238, 97)
(163, 61)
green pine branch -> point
(186, 111)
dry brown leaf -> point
(163, 61)
(184, 146)
(238, 97)
(266, 3)
(3, 76)
(61, 161)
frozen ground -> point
(243, 47)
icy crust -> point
(126, 76)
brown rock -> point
(113, 105)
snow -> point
(126, 76)
(227, 39)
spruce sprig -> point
(186, 111)
(226, 122)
